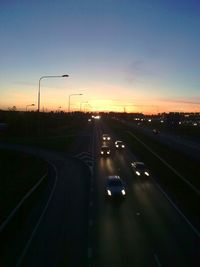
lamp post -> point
(31, 105)
(69, 100)
(83, 102)
(44, 77)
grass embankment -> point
(19, 172)
(181, 193)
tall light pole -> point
(31, 105)
(44, 77)
(69, 100)
(83, 102)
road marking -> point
(90, 223)
(19, 262)
(167, 164)
(177, 209)
(3, 225)
(89, 252)
(165, 194)
(91, 170)
(157, 260)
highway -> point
(183, 145)
(142, 230)
(80, 227)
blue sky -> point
(137, 52)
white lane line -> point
(91, 170)
(177, 209)
(19, 262)
(157, 260)
(167, 164)
(171, 202)
(3, 225)
(89, 252)
(90, 223)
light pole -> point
(31, 105)
(69, 100)
(83, 102)
(44, 77)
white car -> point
(115, 186)
(106, 137)
(119, 144)
(105, 151)
(140, 168)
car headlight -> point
(123, 192)
(117, 146)
(146, 173)
(108, 152)
(109, 192)
(102, 152)
(104, 138)
(138, 173)
(108, 138)
(123, 146)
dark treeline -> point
(16, 123)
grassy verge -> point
(56, 143)
(19, 172)
(180, 192)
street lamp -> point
(44, 77)
(69, 100)
(31, 105)
(83, 102)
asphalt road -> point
(183, 145)
(56, 229)
(142, 230)
(80, 227)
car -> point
(106, 137)
(115, 186)
(156, 131)
(105, 151)
(119, 144)
(140, 168)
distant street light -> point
(31, 105)
(83, 102)
(69, 100)
(44, 77)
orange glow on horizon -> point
(104, 98)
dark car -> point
(115, 186)
(140, 168)
(105, 151)
(119, 144)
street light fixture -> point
(31, 105)
(83, 102)
(69, 100)
(44, 77)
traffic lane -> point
(172, 235)
(119, 238)
(189, 148)
(62, 234)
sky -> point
(121, 55)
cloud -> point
(188, 101)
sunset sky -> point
(133, 55)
